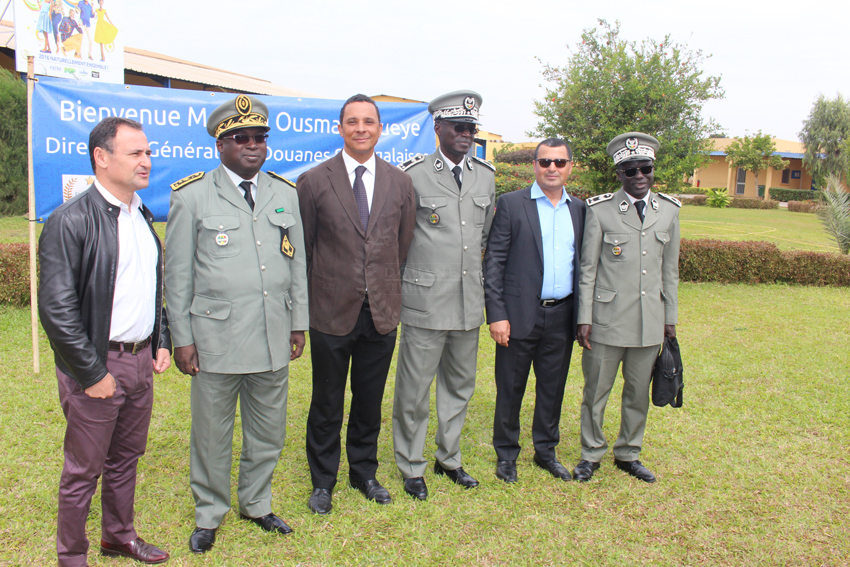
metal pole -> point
(31, 217)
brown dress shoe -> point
(137, 550)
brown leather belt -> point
(132, 348)
(554, 302)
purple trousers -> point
(103, 437)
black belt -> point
(132, 348)
(554, 302)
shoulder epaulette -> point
(673, 200)
(281, 178)
(418, 158)
(177, 185)
(483, 162)
(599, 199)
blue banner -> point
(304, 132)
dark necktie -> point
(360, 196)
(456, 171)
(246, 186)
(639, 205)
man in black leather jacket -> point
(102, 311)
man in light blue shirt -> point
(531, 268)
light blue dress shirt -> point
(559, 244)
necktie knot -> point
(358, 171)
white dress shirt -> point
(134, 301)
(451, 165)
(237, 180)
(368, 176)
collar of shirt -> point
(351, 164)
(135, 202)
(645, 199)
(452, 164)
(237, 180)
(537, 193)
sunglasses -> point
(632, 171)
(559, 163)
(461, 128)
(243, 139)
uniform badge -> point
(654, 205)
(433, 218)
(632, 143)
(616, 251)
(469, 164)
(624, 206)
(469, 103)
(286, 246)
(222, 239)
(438, 165)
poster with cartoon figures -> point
(72, 39)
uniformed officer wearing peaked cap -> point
(442, 297)
(236, 284)
(628, 298)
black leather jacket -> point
(78, 253)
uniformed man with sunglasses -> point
(236, 285)
(628, 298)
(442, 298)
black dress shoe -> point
(372, 490)
(584, 470)
(635, 469)
(416, 487)
(458, 475)
(320, 501)
(201, 540)
(506, 470)
(554, 467)
(137, 549)
(269, 523)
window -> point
(786, 176)
(741, 181)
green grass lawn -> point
(789, 231)
(753, 471)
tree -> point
(834, 213)
(611, 86)
(13, 144)
(754, 154)
(826, 135)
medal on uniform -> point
(433, 218)
(221, 239)
(616, 251)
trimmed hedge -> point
(698, 200)
(754, 262)
(803, 206)
(786, 195)
(14, 274)
(515, 157)
(753, 204)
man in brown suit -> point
(358, 214)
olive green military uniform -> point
(236, 286)
(442, 307)
(628, 291)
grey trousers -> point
(600, 365)
(262, 399)
(422, 354)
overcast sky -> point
(774, 57)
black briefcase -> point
(667, 383)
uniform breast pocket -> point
(432, 211)
(286, 224)
(616, 246)
(220, 238)
(481, 204)
(662, 237)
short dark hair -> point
(103, 134)
(554, 143)
(358, 98)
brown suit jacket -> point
(343, 261)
